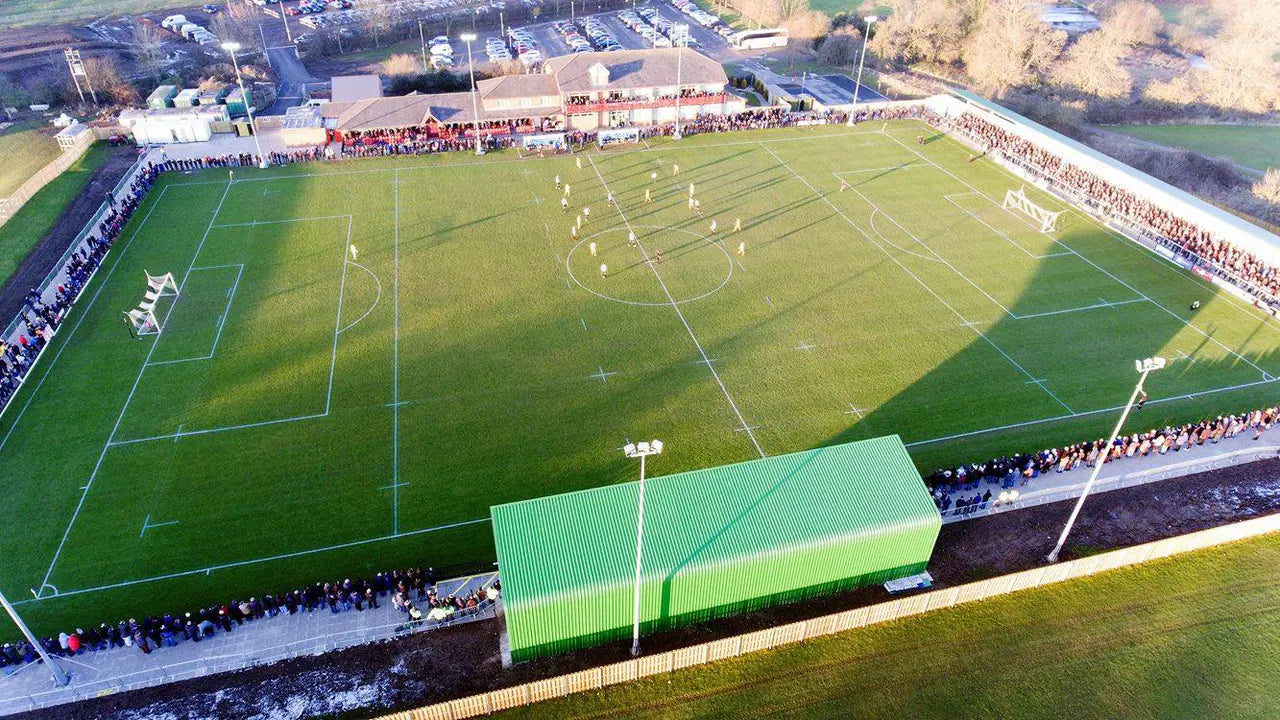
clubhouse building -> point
(581, 92)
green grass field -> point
(1253, 146)
(24, 13)
(24, 152)
(33, 221)
(307, 414)
(1196, 636)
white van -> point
(173, 22)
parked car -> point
(209, 8)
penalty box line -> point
(242, 563)
(1099, 268)
(972, 326)
(128, 399)
(680, 314)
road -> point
(293, 75)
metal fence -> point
(10, 205)
(203, 666)
(599, 677)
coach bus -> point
(756, 39)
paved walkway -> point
(1123, 473)
(264, 641)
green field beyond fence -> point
(1253, 146)
(1195, 636)
(310, 412)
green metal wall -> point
(718, 542)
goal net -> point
(617, 136)
(1017, 200)
(142, 319)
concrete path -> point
(1123, 473)
(264, 641)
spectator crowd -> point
(958, 490)
(1242, 268)
(412, 592)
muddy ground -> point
(454, 662)
(40, 260)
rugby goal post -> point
(1017, 200)
(142, 319)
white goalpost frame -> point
(143, 318)
(1017, 200)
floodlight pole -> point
(475, 103)
(231, 48)
(642, 450)
(857, 82)
(59, 675)
(422, 39)
(684, 40)
(1145, 368)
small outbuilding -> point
(162, 97)
(717, 542)
(173, 125)
(350, 88)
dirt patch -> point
(455, 662)
(42, 258)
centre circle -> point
(692, 265)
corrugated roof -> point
(790, 522)
(630, 69)
(379, 113)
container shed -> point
(214, 95)
(187, 98)
(717, 542)
(236, 104)
(162, 97)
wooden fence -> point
(10, 206)
(599, 677)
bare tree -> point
(1243, 74)
(236, 22)
(840, 48)
(1092, 65)
(380, 19)
(147, 50)
(1268, 188)
(108, 82)
(1010, 46)
(924, 30)
(1132, 22)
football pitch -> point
(309, 412)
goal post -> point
(1017, 200)
(142, 319)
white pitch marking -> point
(766, 299)
(805, 346)
(376, 299)
(584, 323)
(282, 221)
(137, 380)
(603, 376)
(241, 563)
(679, 313)
(1265, 375)
(537, 200)
(401, 403)
(395, 354)
(854, 410)
(1103, 304)
(915, 277)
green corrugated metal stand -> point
(717, 542)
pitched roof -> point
(630, 69)
(379, 113)
(518, 86)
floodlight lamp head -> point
(629, 449)
(1150, 364)
(642, 448)
(231, 46)
(870, 19)
(656, 445)
(467, 37)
